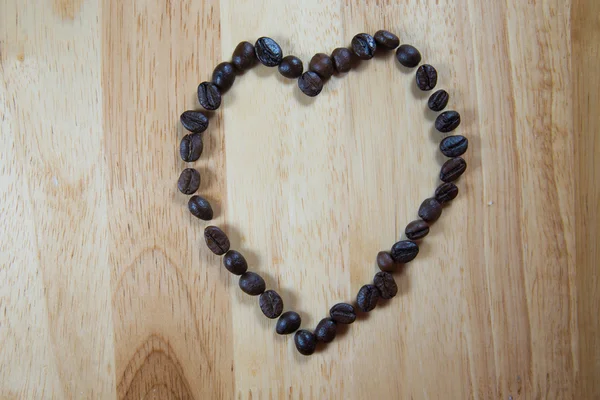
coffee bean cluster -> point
(321, 67)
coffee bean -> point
(385, 261)
(404, 251)
(291, 67)
(194, 121)
(447, 121)
(224, 76)
(189, 181)
(386, 40)
(384, 281)
(191, 146)
(200, 208)
(454, 146)
(252, 283)
(430, 210)
(216, 240)
(271, 304)
(343, 313)
(243, 56)
(310, 84)
(364, 46)
(322, 65)
(367, 298)
(235, 263)
(438, 101)
(453, 169)
(342, 59)
(326, 330)
(426, 77)
(417, 229)
(446, 192)
(268, 52)
(209, 95)
(305, 341)
(288, 323)
(408, 56)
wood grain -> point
(107, 289)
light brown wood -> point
(108, 291)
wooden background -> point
(107, 289)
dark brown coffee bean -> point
(322, 65)
(385, 261)
(271, 304)
(235, 262)
(310, 84)
(326, 330)
(209, 95)
(438, 101)
(364, 46)
(426, 77)
(447, 121)
(408, 56)
(224, 76)
(453, 169)
(386, 40)
(367, 298)
(268, 52)
(343, 313)
(404, 251)
(216, 240)
(417, 229)
(454, 146)
(243, 56)
(306, 342)
(291, 67)
(189, 181)
(289, 322)
(430, 210)
(384, 281)
(191, 146)
(342, 59)
(252, 283)
(194, 121)
(200, 208)
(446, 192)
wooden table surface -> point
(108, 291)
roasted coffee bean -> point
(271, 304)
(191, 146)
(343, 313)
(189, 181)
(417, 229)
(408, 56)
(385, 261)
(384, 281)
(200, 208)
(367, 298)
(430, 210)
(386, 40)
(194, 121)
(364, 46)
(305, 341)
(216, 240)
(322, 65)
(243, 56)
(404, 251)
(438, 101)
(252, 283)
(291, 67)
(452, 169)
(454, 146)
(310, 84)
(426, 77)
(447, 121)
(224, 76)
(235, 262)
(342, 59)
(446, 192)
(209, 95)
(268, 52)
(289, 322)
(326, 330)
